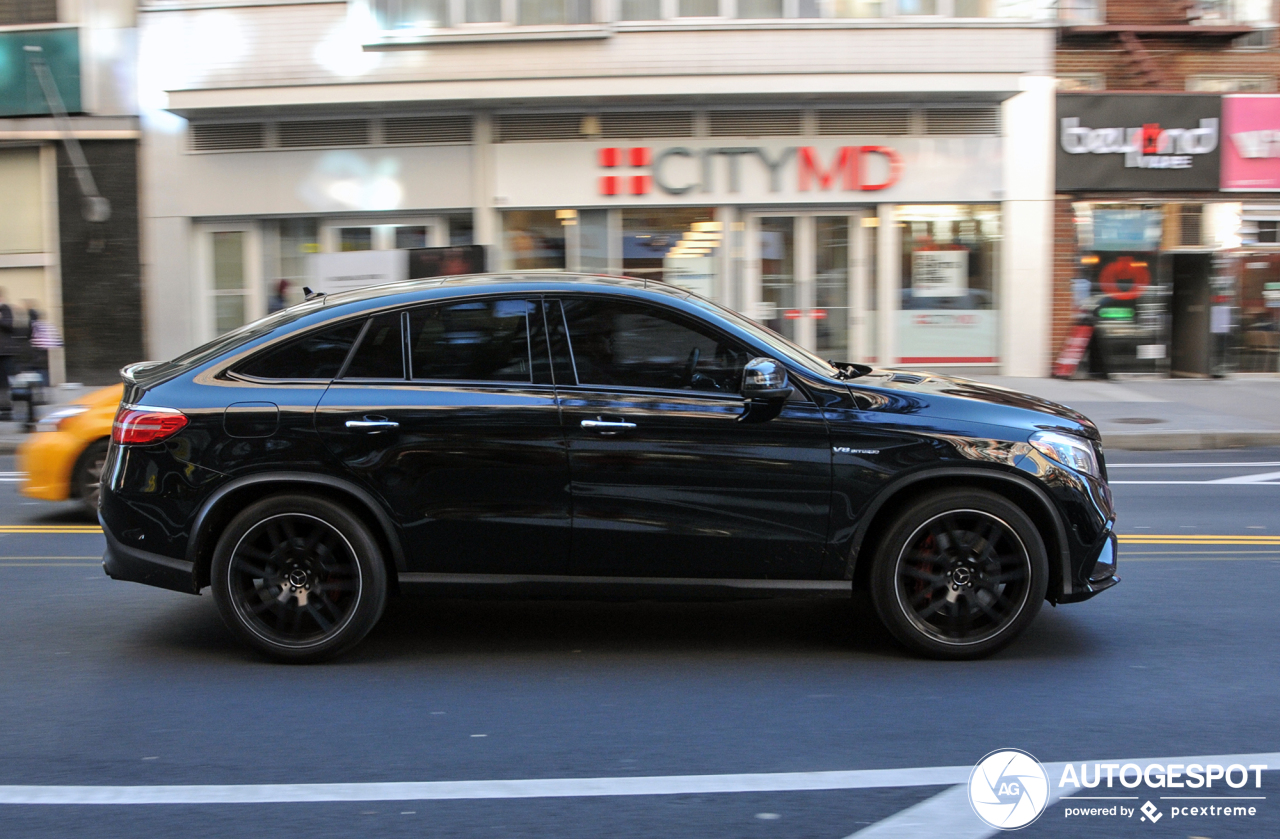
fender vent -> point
(906, 378)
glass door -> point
(230, 265)
(807, 279)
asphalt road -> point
(114, 684)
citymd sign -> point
(1138, 141)
(850, 168)
(707, 171)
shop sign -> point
(939, 273)
(644, 168)
(1251, 152)
(699, 172)
(1138, 142)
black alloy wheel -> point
(87, 477)
(960, 574)
(299, 578)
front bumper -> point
(122, 562)
(1100, 572)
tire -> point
(298, 578)
(86, 478)
(959, 574)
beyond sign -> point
(1138, 141)
(679, 169)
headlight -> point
(1075, 452)
(53, 420)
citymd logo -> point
(679, 170)
(1008, 789)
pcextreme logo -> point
(638, 170)
(1008, 789)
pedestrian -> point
(279, 297)
(8, 348)
(42, 336)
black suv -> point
(563, 435)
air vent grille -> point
(640, 124)
(426, 129)
(517, 127)
(323, 132)
(227, 136)
(962, 120)
(755, 123)
(873, 121)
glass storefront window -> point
(532, 240)
(676, 245)
(1260, 313)
(950, 255)
(831, 285)
(355, 239)
(411, 236)
(779, 300)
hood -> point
(952, 397)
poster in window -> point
(940, 273)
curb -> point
(1150, 441)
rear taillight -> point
(138, 425)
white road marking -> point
(1249, 479)
(1234, 464)
(545, 787)
(1221, 482)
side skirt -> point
(549, 587)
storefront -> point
(884, 249)
(1251, 164)
(1154, 245)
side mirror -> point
(765, 380)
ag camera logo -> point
(1008, 789)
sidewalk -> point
(1136, 414)
(1167, 414)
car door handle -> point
(607, 427)
(372, 425)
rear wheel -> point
(299, 578)
(959, 574)
(87, 477)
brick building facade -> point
(1155, 46)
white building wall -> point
(1027, 265)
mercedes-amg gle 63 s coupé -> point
(560, 435)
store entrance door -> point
(1190, 314)
(807, 278)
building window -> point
(355, 239)
(533, 240)
(949, 270)
(411, 15)
(18, 12)
(1080, 11)
(677, 245)
(483, 11)
(1267, 232)
(552, 12)
(1231, 84)
(1225, 12)
(1082, 81)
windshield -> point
(765, 335)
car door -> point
(448, 412)
(666, 481)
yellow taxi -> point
(64, 458)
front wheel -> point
(299, 578)
(88, 475)
(959, 574)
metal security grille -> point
(16, 12)
(426, 129)
(517, 127)
(323, 132)
(893, 121)
(984, 120)
(227, 136)
(640, 124)
(1190, 225)
(755, 123)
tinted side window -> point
(635, 345)
(317, 355)
(479, 340)
(381, 351)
